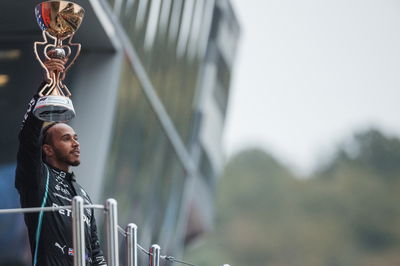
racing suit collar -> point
(61, 173)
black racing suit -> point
(39, 185)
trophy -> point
(59, 20)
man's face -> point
(65, 145)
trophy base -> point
(54, 108)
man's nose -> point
(75, 143)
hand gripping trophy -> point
(59, 20)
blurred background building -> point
(150, 90)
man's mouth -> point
(76, 152)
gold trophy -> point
(59, 20)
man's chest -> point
(61, 193)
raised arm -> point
(29, 155)
(29, 152)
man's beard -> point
(65, 159)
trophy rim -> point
(50, 1)
(81, 9)
(49, 109)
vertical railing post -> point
(112, 232)
(78, 233)
(155, 255)
(131, 244)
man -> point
(43, 179)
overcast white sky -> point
(310, 73)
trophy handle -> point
(78, 51)
(49, 80)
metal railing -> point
(112, 228)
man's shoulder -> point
(82, 192)
(26, 179)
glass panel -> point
(111, 3)
(160, 32)
(144, 174)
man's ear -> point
(48, 150)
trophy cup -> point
(59, 20)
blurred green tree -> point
(347, 213)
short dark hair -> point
(45, 137)
(44, 134)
